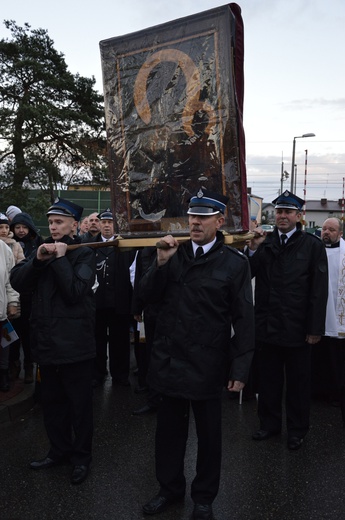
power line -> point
(268, 142)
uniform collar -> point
(289, 234)
(206, 247)
(107, 239)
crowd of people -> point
(73, 301)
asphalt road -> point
(260, 481)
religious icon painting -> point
(173, 104)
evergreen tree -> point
(51, 121)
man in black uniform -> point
(94, 228)
(63, 337)
(113, 306)
(291, 280)
(204, 290)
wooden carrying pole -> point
(93, 245)
(237, 241)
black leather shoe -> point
(202, 512)
(145, 409)
(79, 474)
(294, 443)
(44, 463)
(262, 435)
(158, 504)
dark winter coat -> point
(291, 289)
(200, 301)
(87, 237)
(115, 288)
(63, 305)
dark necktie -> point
(199, 251)
(283, 239)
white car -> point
(267, 227)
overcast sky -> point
(294, 74)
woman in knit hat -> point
(12, 211)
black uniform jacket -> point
(63, 305)
(115, 288)
(200, 301)
(291, 289)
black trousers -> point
(112, 328)
(143, 360)
(22, 327)
(336, 348)
(66, 399)
(171, 439)
(322, 383)
(144, 351)
(276, 365)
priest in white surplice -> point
(331, 235)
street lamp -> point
(293, 158)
